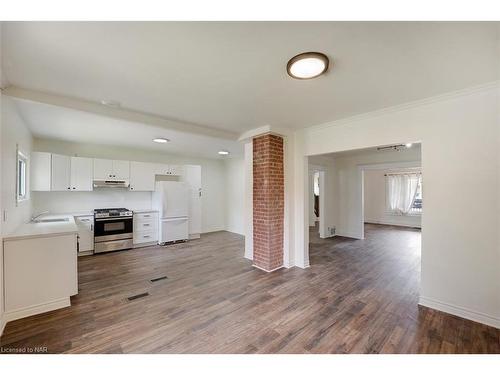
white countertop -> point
(33, 229)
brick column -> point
(268, 202)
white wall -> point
(460, 163)
(14, 132)
(375, 201)
(235, 195)
(212, 180)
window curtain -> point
(402, 190)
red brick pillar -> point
(268, 202)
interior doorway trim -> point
(322, 175)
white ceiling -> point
(47, 121)
(232, 76)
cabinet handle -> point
(74, 188)
(69, 188)
(146, 215)
(147, 236)
(146, 225)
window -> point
(404, 193)
(416, 207)
(22, 177)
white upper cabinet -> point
(40, 171)
(105, 169)
(81, 174)
(52, 172)
(142, 176)
(169, 170)
(121, 169)
(60, 179)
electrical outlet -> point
(332, 231)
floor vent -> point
(159, 278)
(138, 296)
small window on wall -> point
(22, 176)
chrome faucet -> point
(33, 218)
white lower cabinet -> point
(85, 226)
(145, 228)
(40, 274)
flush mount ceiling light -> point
(161, 140)
(223, 152)
(307, 65)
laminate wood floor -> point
(358, 296)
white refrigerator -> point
(171, 200)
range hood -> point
(111, 184)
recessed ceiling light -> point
(161, 140)
(408, 145)
(111, 103)
(223, 152)
(307, 65)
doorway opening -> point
(371, 205)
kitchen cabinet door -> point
(60, 179)
(40, 165)
(81, 174)
(192, 175)
(121, 169)
(85, 225)
(103, 169)
(142, 176)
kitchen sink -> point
(60, 220)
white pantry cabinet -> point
(142, 176)
(192, 175)
(105, 169)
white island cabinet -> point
(40, 268)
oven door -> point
(113, 228)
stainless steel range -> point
(113, 229)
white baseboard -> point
(262, 269)
(37, 309)
(394, 223)
(2, 325)
(460, 312)
(214, 229)
(341, 233)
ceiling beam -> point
(115, 112)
